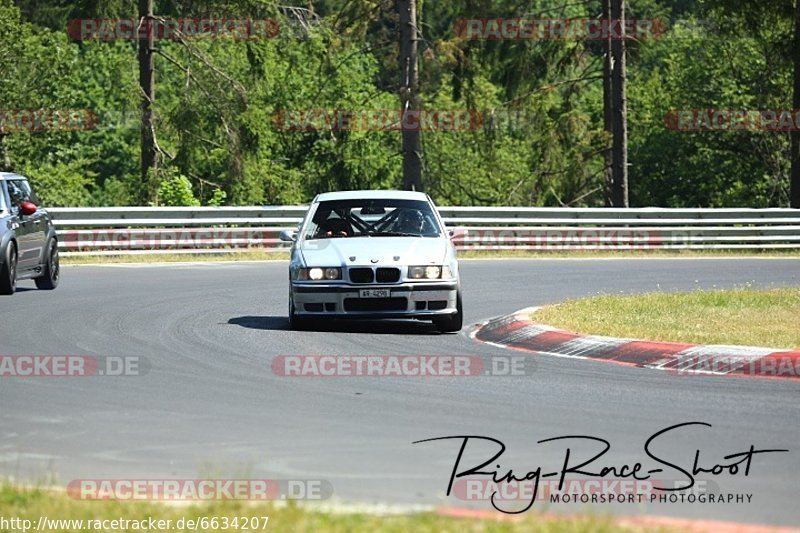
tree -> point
(608, 111)
(541, 139)
(409, 85)
(794, 200)
(147, 86)
(619, 113)
(777, 24)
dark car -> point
(28, 241)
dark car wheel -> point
(8, 272)
(452, 323)
(52, 270)
(295, 322)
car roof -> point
(11, 176)
(372, 194)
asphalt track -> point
(211, 404)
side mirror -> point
(288, 235)
(28, 208)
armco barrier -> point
(129, 230)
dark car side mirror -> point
(288, 235)
(28, 208)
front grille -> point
(361, 275)
(388, 275)
(375, 304)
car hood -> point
(373, 250)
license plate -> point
(374, 293)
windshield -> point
(2, 198)
(373, 218)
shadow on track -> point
(26, 289)
(271, 323)
(390, 327)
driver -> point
(337, 227)
(410, 221)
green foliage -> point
(716, 68)
(61, 184)
(176, 190)
(217, 198)
(115, 191)
(541, 100)
(30, 504)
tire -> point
(452, 323)
(297, 323)
(52, 269)
(8, 271)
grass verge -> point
(744, 316)
(35, 503)
(260, 255)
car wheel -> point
(52, 269)
(452, 323)
(295, 322)
(8, 272)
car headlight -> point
(319, 273)
(424, 272)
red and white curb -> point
(518, 331)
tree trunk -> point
(608, 178)
(619, 193)
(794, 194)
(412, 147)
(147, 85)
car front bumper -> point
(406, 300)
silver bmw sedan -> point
(373, 254)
